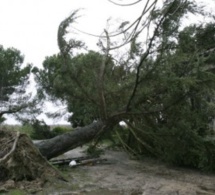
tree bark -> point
(60, 144)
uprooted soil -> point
(21, 164)
(122, 175)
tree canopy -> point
(158, 78)
(13, 81)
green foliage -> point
(205, 36)
(40, 130)
(2, 119)
(16, 192)
(180, 145)
(27, 129)
(78, 86)
(60, 130)
(11, 73)
(178, 96)
(94, 151)
(207, 157)
(13, 81)
(63, 45)
(163, 89)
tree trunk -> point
(60, 144)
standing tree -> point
(13, 82)
(18, 159)
(157, 79)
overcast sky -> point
(31, 25)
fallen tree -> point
(154, 85)
(60, 144)
(23, 161)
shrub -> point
(207, 159)
(180, 145)
(60, 130)
(40, 130)
(27, 129)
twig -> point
(129, 4)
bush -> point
(207, 159)
(180, 145)
(60, 130)
(27, 129)
(40, 130)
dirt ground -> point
(123, 176)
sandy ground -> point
(122, 175)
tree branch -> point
(129, 4)
(145, 55)
(103, 110)
(12, 110)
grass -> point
(28, 129)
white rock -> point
(72, 163)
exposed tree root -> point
(21, 162)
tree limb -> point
(145, 55)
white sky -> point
(31, 25)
